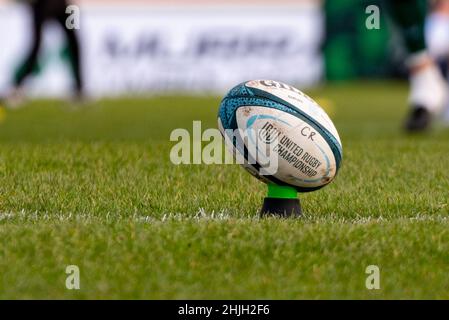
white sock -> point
(428, 87)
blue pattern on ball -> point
(230, 105)
(241, 95)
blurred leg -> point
(428, 92)
(438, 41)
(30, 62)
(74, 53)
(410, 17)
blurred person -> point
(428, 88)
(43, 11)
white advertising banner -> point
(144, 49)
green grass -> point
(94, 187)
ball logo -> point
(268, 134)
(278, 85)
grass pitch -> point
(94, 187)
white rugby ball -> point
(264, 114)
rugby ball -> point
(296, 129)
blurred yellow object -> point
(2, 113)
(327, 104)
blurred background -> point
(199, 46)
